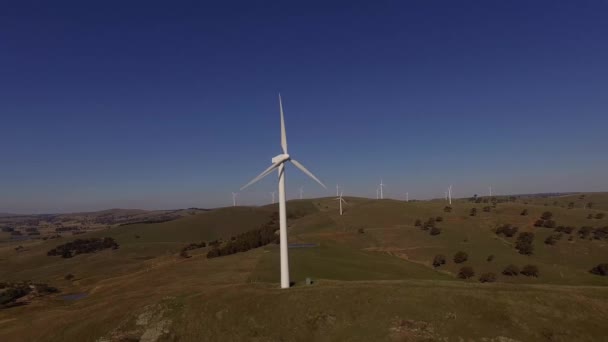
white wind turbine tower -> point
(234, 194)
(337, 194)
(301, 192)
(407, 196)
(450, 194)
(381, 188)
(490, 191)
(279, 162)
(272, 193)
(340, 200)
(377, 191)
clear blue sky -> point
(174, 104)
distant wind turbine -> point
(340, 200)
(407, 196)
(381, 188)
(377, 192)
(301, 192)
(450, 194)
(234, 194)
(337, 190)
(278, 162)
(490, 191)
(272, 193)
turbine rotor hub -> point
(281, 158)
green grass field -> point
(372, 271)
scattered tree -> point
(460, 257)
(490, 258)
(418, 223)
(584, 232)
(524, 212)
(487, 278)
(511, 270)
(361, 231)
(539, 223)
(439, 260)
(69, 276)
(507, 230)
(530, 271)
(524, 243)
(466, 272)
(599, 216)
(447, 209)
(600, 269)
(549, 224)
(547, 215)
(435, 231)
(473, 212)
(438, 219)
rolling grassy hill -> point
(372, 269)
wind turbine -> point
(490, 191)
(301, 192)
(377, 196)
(272, 193)
(407, 196)
(450, 194)
(340, 200)
(278, 162)
(381, 188)
(234, 194)
(337, 190)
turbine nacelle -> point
(281, 158)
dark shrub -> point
(447, 209)
(530, 271)
(473, 212)
(511, 270)
(435, 231)
(524, 212)
(184, 254)
(439, 260)
(600, 233)
(460, 257)
(487, 277)
(600, 269)
(524, 243)
(418, 223)
(539, 223)
(599, 216)
(466, 272)
(487, 209)
(69, 276)
(547, 215)
(361, 231)
(550, 240)
(584, 232)
(549, 224)
(507, 230)
(438, 219)
(490, 258)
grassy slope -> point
(209, 298)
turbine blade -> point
(308, 173)
(283, 133)
(263, 174)
(343, 201)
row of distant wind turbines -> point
(278, 163)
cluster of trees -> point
(601, 270)
(552, 239)
(159, 219)
(184, 251)
(545, 220)
(82, 246)
(429, 225)
(597, 216)
(564, 229)
(507, 230)
(524, 243)
(10, 293)
(248, 240)
(527, 270)
(587, 232)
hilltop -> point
(372, 268)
